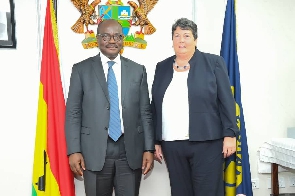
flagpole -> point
(194, 11)
(55, 7)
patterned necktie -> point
(115, 120)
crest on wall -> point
(129, 15)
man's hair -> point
(186, 24)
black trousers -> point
(115, 175)
(195, 168)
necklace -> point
(180, 68)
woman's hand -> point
(229, 146)
(158, 155)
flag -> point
(51, 172)
(237, 174)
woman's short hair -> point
(186, 24)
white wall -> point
(19, 83)
(266, 45)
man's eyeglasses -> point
(107, 37)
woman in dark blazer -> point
(194, 115)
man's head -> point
(110, 38)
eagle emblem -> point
(87, 14)
(139, 15)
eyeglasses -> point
(107, 37)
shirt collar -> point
(104, 59)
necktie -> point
(115, 120)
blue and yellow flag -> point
(237, 174)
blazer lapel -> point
(125, 79)
(99, 72)
(194, 62)
(164, 77)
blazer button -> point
(105, 128)
(108, 108)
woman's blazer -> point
(211, 104)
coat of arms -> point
(129, 15)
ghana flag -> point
(51, 172)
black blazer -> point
(211, 104)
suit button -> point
(105, 128)
(108, 108)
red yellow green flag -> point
(51, 172)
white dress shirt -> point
(117, 71)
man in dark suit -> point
(110, 144)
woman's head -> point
(184, 36)
(185, 24)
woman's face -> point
(183, 41)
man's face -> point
(113, 30)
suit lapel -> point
(165, 76)
(125, 79)
(99, 72)
(194, 62)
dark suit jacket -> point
(88, 114)
(211, 104)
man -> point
(110, 144)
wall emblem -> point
(129, 15)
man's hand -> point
(229, 146)
(77, 163)
(147, 162)
(158, 153)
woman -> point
(194, 115)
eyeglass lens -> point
(107, 37)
